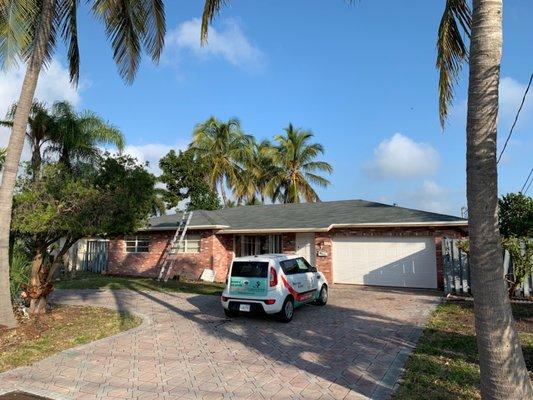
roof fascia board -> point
(362, 225)
(189, 228)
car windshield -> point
(250, 269)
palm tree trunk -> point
(36, 161)
(223, 194)
(503, 371)
(14, 150)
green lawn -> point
(97, 281)
(61, 328)
(445, 363)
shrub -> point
(19, 271)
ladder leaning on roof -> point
(174, 245)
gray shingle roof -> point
(306, 216)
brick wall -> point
(137, 264)
(215, 252)
(323, 241)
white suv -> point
(272, 284)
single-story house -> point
(351, 241)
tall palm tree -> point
(29, 30)
(296, 168)
(77, 136)
(503, 371)
(222, 147)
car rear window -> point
(250, 269)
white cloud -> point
(511, 93)
(54, 84)
(229, 43)
(430, 196)
(151, 153)
(400, 157)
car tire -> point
(230, 313)
(287, 311)
(322, 296)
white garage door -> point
(385, 261)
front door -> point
(305, 246)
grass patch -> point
(61, 328)
(89, 280)
(445, 363)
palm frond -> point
(155, 28)
(317, 179)
(318, 165)
(211, 10)
(451, 50)
(68, 23)
(124, 26)
(16, 35)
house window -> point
(137, 244)
(260, 244)
(190, 243)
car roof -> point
(267, 257)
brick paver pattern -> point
(353, 348)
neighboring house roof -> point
(311, 217)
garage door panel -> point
(385, 261)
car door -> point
(297, 281)
(310, 273)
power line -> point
(528, 186)
(516, 118)
(527, 180)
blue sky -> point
(361, 77)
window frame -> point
(185, 249)
(138, 246)
(251, 245)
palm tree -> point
(28, 30)
(77, 137)
(40, 125)
(295, 167)
(222, 147)
(503, 371)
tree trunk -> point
(36, 280)
(223, 194)
(503, 371)
(36, 161)
(14, 150)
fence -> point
(95, 257)
(457, 278)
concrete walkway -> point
(353, 348)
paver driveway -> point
(186, 348)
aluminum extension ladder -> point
(174, 246)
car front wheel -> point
(323, 296)
(287, 311)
